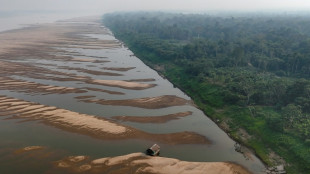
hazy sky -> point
(100, 6)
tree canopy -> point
(252, 71)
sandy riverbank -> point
(136, 163)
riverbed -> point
(73, 89)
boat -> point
(154, 150)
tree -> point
(238, 55)
(290, 114)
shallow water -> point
(21, 20)
(16, 134)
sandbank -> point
(123, 84)
(93, 72)
(148, 102)
(29, 148)
(98, 127)
(141, 164)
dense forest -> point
(249, 73)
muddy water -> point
(15, 133)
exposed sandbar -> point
(148, 102)
(123, 84)
(29, 148)
(41, 40)
(23, 69)
(153, 119)
(97, 127)
(30, 70)
(141, 164)
(7, 83)
(93, 72)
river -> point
(19, 133)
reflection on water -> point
(16, 134)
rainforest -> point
(250, 73)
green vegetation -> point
(249, 73)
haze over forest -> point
(104, 6)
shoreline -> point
(243, 144)
(159, 69)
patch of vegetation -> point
(250, 72)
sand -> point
(160, 165)
(133, 163)
(98, 127)
(9, 83)
(92, 72)
(123, 84)
(19, 51)
(33, 148)
(148, 102)
(28, 149)
(139, 163)
(57, 33)
(77, 159)
(62, 117)
(8, 69)
(42, 42)
(81, 120)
